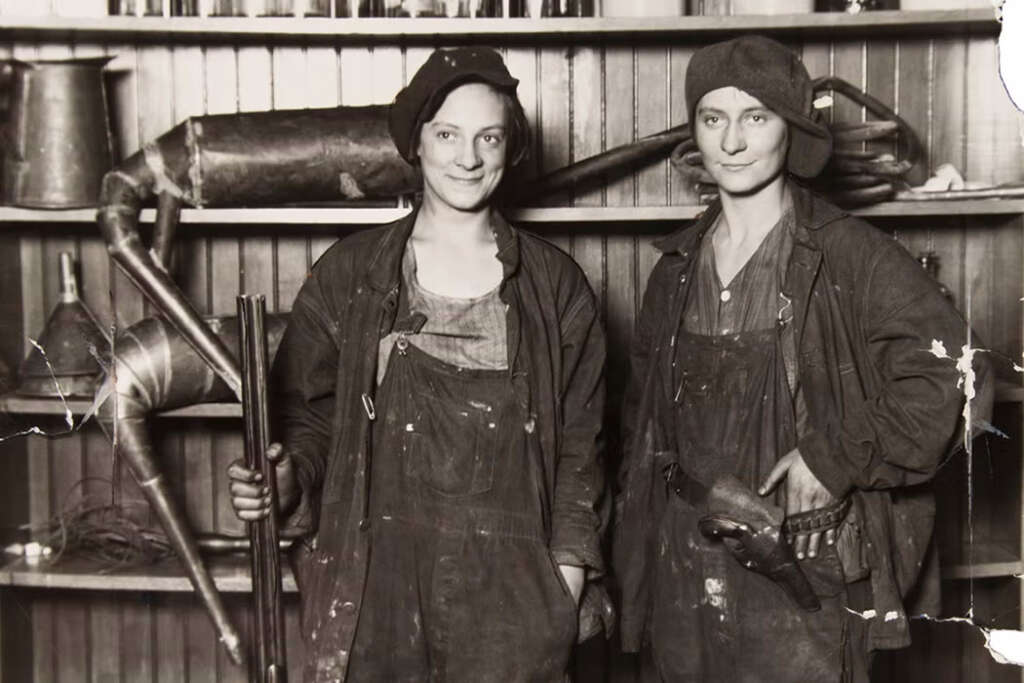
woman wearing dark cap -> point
(442, 389)
(782, 369)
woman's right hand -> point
(250, 496)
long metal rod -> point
(263, 535)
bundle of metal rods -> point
(263, 534)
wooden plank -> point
(292, 90)
(552, 129)
(652, 116)
(681, 191)
(202, 646)
(948, 121)
(137, 642)
(587, 121)
(848, 64)
(323, 63)
(44, 651)
(881, 81)
(104, 639)
(916, 78)
(190, 259)
(620, 119)
(72, 639)
(523, 64)
(171, 651)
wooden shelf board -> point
(311, 216)
(230, 573)
(376, 30)
(985, 559)
(28, 405)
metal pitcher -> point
(58, 142)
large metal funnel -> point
(71, 342)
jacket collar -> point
(811, 212)
(384, 270)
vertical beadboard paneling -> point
(201, 647)
(325, 91)
(848, 64)
(652, 116)
(170, 620)
(585, 139)
(948, 106)
(588, 98)
(522, 63)
(681, 191)
(294, 80)
(552, 129)
(620, 123)
(880, 81)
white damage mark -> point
(69, 418)
(892, 615)
(866, 614)
(1006, 646)
(965, 366)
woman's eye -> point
(711, 120)
(445, 134)
(492, 139)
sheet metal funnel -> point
(71, 340)
(58, 142)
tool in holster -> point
(751, 528)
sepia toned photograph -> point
(512, 341)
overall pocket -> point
(452, 444)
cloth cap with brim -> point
(771, 72)
(440, 74)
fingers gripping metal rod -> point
(266, 559)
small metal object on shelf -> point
(855, 6)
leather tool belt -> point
(751, 528)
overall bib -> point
(732, 412)
(461, 584)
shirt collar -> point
(385, 268)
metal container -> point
(62, 361)
(58, 134)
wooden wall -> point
(581, 100)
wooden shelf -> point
(328, 216)
(230, 574)
(554, 30)
(985, 560)
(28, 405)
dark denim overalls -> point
(461, 584)
(733, 413)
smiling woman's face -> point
(462, 149)
(743, 142)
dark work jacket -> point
(883, 409)
(325, 382)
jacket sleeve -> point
(579, 495)
(912, 415)
(642, 495)
(304, 376)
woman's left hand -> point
(803, 493)
(574, 579)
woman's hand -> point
(573, 579)
(250, 497)
(803, 493)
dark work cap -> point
(440, 74)
(771, 72)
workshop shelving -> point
(588, 85)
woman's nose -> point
(733, 140)
(468, 156)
